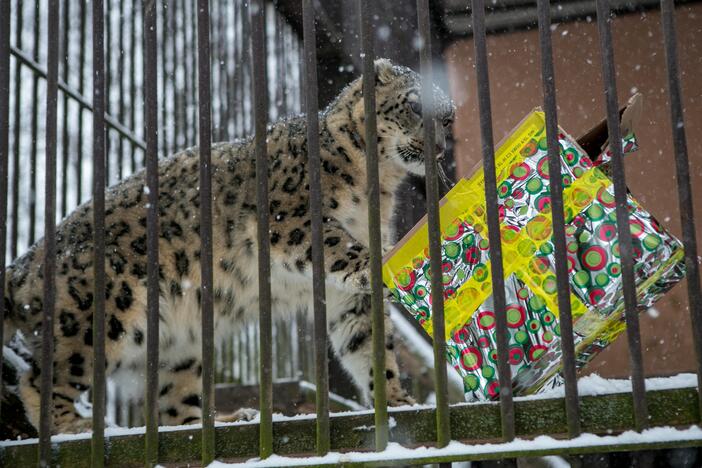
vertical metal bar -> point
(33, 152)
(164, 77)
(203, 68)
(186, 82)
(246, 77)
(193, 65)
(152, 228)
(558, 219)
(98, 388)
(682, 171)
(623, 230)
(65, 136)
(49, 267)
(120, 89)
(132, 81)
(374, 242)
(224, 71)
(498, 282)
(260, 101)
(443, 430)
(108, 83)
(173, 27)
(17, 137)
(4, 151)
(81, 88)
(317, 239)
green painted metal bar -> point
(494, 236)
(46, 419)
(470, 423)
(374, 235)
(682, 172)
(99, 159)
(260, 104)
(4, 152)
(206, 273)
(317, 236)
(559, 237)
(443, 431)
(151, 443)
(633, 333)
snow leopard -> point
(345, 241)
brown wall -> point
(515, 84)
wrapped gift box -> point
(530, 281)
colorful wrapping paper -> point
(530, 282)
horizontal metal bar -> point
(458, 23)
(472, 423)
(111, 121)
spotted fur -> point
(400, 136)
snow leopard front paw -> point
(242, 414)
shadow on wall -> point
(515, 80)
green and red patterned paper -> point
(532, 311)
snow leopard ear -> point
(384, 71)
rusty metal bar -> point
(205, 122)
(4, 152)
(49, 267)
(65, 135)
(682, 171)
(151, 105)
(493, 222)
(623, 231)
(317, 238)
(98, 387)
(260, 101)
(559, 239)
(16, 142)
(443, 429)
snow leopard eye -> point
(416, 107)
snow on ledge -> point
(593, 384)
(587, 386)
(396, 451)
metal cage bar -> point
(152, 230)
(16, 170)
(49, 266)
(682, 171)
(493, 222)
(374, 235)
(623, 231)
(443, 428)
(4, 154)
(317, 236)
(99, 149)
(558, 219)
(206, 304)
(260, 106)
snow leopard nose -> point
(440, 139)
